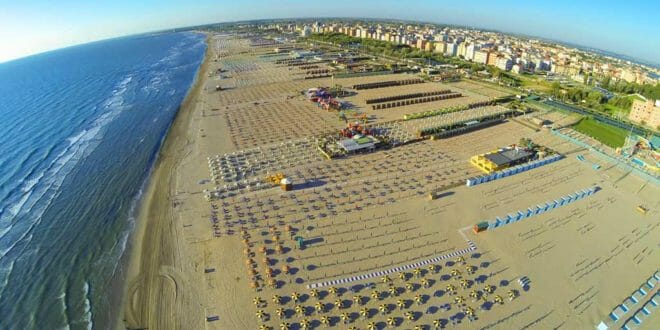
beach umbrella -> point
(418, 327)
(460, 259)
(279, 249)
(417, 272)
(455, 273)
(266, 261)
(391, 321)
(425, 283)
(339, 304)
(410, 287)
(474, 295)
(276, 238)
(332, 290)
(357, 299)
(325, 320)
(319, 307)
(272, 283)
(400, 303)
(433, 268)
(459, 300)
(257, 301)
(375, 294)
(511, 294)
(285, 269)
(279, 312)
(436, 323)
(383, 309)
(469, 269)
(464, 283)
(314, 293)
(262, 249)
(295, 296)
(371, 326)
(385, 279)
(344, 317)
(408, 316)
(264, 327)
(364, 312)
(393, 291)
(489, 288)
(300, 310)
(469, 311)
(403, 276)
(418, 299)
(304, 324)
(498, 299)
(260, 314)
(277, 299)
(285, 326)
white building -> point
(504, 63)
(306, 31)
(451, 49)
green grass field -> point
(608, 135)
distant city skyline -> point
(626, 28)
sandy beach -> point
(373, 251)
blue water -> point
(79, 130)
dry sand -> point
(369, 213)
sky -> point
(629, 27)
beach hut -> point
(286, 184)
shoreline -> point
(145, 252)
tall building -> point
(492, 59)
(440, 47)
(470, 51)
(646, 112)
(306, 31)
(451, 49)
(504, 63)
(481, 56)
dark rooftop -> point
(507, 156)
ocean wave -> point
(37, 196)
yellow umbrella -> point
(432, 268)
(371, 325)
(279, 312)
(417, 272)
(260, 314)
(339, 304)
(314, 293)
(344, 317)
(325, 320)
(451, 288)
(460, 259)
(498, 299)
(357, 299)
(464, 283)
(299, 309)
(332, 290)
(393, 291)
(364, 312)
(391, 321)
(410, 287)
(459, 299)
(383, 309)
(403, 276)
(304, 323)
(257, 301)
(295, 296)
(264, 327)
(409, 315)
(276, 299)
(385, 279)
(319, 307)
(511, 294)
(418, 299)
(284, 326)
(400, 303)
(375, 294)
(425, 283)
(436, 323)
(489, 288)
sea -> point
(80, 129)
